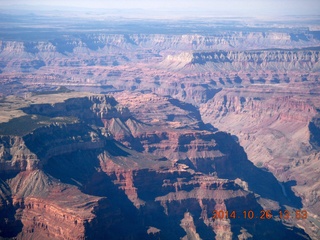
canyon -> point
(84, 175)
(144, 135)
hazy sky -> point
(223, 7)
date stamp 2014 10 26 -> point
(263, 214)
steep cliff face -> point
(314, 128)
(34, 204)
(277, 130)
(268, 120)
(10, 226)
(272, 60)
(173, 194)
(79, 168)
(90, 49)
(220, 40)
(90, 186)
(179, 136)
(54, 217)
(191, 68)
(15, 156)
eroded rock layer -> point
(83, 179)
(179, 94)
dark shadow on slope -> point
(261, 182)
(287, 190)
(10, 227)
(114, 148)
(314, 129)
(118, 221)
(203, 230)
(258, 224)
(63, 46)
(209, 127)
(91, 42)
(187, 162)
(171, 223)
(210, 92)
(75, 168)
(121, 220)
(134, 143)
(154, 211)
(140, 126)
(194, 112)
(140, 122)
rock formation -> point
(200, 119)
(75, 181)
(262, 60)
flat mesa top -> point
(10, 106)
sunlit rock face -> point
(77, 179)
(225, 120)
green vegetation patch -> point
(23, 125)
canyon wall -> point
(163, 150)
(88, 185)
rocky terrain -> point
(148, 61)
(166, 185)
(193, 122)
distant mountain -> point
(184, 119)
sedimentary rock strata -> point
(81, 182)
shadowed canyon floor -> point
(142, 135)
(83, 175)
